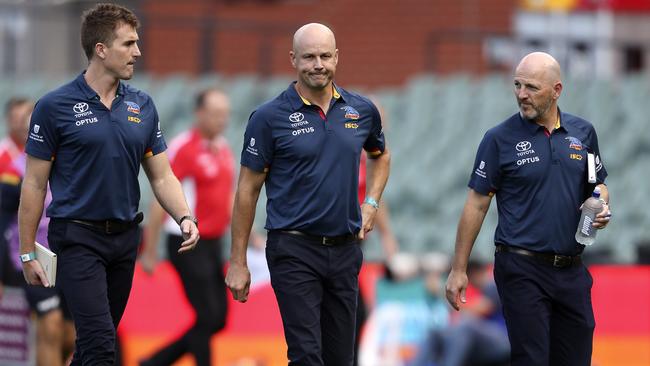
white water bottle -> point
(586, 233)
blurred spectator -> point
(202, 160)
(55, 334)
(409, 306)
(478, 337)
(17, 111)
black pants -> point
(201, 272)
(316, 287)
(95, 273)
(548, 311)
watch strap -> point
(27, 257)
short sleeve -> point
(43, 139)
(179, 164)
(486, 173)
(156, 143)
(375, 143)
(257, 152)
(601, 172)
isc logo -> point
(351, 125)
(133, 119)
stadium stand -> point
(435, 126)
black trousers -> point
(316, 287)
(95, 273)
(548, 311)
(201, 272)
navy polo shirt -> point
(540, 180)
(95, 152)
(312, 159)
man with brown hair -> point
(87, 139)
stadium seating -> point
(434, 127)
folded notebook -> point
(47, 259)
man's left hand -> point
(602, 219)
(190, 235)
(368, 214)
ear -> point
(336, 56)
(100, 50)
(557, 90)
(292, 58)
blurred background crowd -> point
(441, 71)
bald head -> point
(540, 65)
(313, 33)
(314, 56)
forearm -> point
(169, 193)
(378, 171)
(469, 226)
(242, 222)
(388, 239)
(30, 212)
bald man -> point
(305, 145)
(535, 162)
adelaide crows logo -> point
(574, 143)
(132, 107)
(350, 112)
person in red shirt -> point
(12, 146)
(202, 160)
(17, 111)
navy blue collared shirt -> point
(312, 159)
(95, 152)
(540, 180)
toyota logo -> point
(296, 117)
(80, 107)
(523, 146)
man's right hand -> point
(456, 286)
(34, 274)
(238, 280)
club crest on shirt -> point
(132, 107)
(574, 143)
(350, 112)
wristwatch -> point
(188, 217)
(24, 258)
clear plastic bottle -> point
(586, 233)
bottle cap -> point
(596, 192)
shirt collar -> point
(298, 100)
(90, 93)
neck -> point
(101, 81)
(320, 97)
(549, 120)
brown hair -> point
(15, 102)
(98, 25)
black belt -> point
(110, 226)
(324, 240)
(556, 260)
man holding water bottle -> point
(536, 163)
